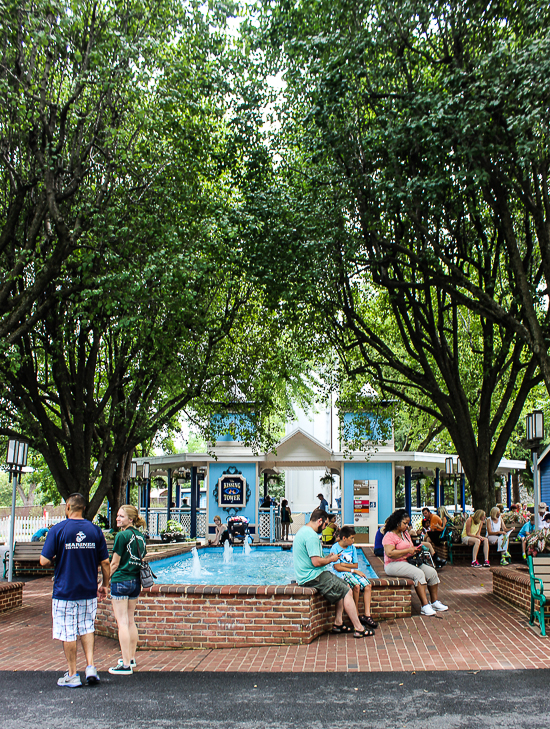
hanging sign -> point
(232, 490)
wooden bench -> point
(452, 551)
(539, 574)
(26, 560)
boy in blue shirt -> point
(524, 532)
(346, 569)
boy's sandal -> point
(368, 621)
(341, 629)
(367, 633)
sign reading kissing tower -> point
(232, 490)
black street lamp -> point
(16, 460)
(449, 465)
(132, 475)
(460, 472)
(534, 428)
(146, 473)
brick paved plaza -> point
(479, 632)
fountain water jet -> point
(227, 553)
(197, 569)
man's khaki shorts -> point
(330, 586)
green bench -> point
(463, 551)
(539, 574)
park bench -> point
(26, 560)
(539, 574)
(451, 551)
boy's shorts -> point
(353, 579)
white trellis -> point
(25, 526)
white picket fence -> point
(25, 526)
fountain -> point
(196, 569)
(227, 553)
(246, 548)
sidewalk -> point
(479, 632)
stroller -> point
(238, 528)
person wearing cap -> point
(323, 503)
(543, 508)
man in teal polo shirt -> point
(309, 566)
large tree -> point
(409, 161)
(71, 81)
(161, 316)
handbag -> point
(146, 574)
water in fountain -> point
(197, 569)
(227, 553)
(246, 548)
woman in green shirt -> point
(128, 549)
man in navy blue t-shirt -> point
(79, 548)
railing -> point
(269, 526)
(157, 519)
(25, 526)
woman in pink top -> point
(398, 547)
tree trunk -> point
(515, 488)
(482, 488)
(120, 478)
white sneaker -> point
(91, 675)
(69, 681)
(439, 606)
(427, 610)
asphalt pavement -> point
(423, 700)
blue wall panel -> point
(367, 426)
(220, 424)
(544, 474)
(381, 472)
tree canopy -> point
(412, 199)
(154, 313)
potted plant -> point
(174, 532)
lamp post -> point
(460, 472)
(16, 460)
(133, 474)
(449, 465)
(534, 428)
(146, 472)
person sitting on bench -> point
(471, 534)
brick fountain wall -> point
(232, 616)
